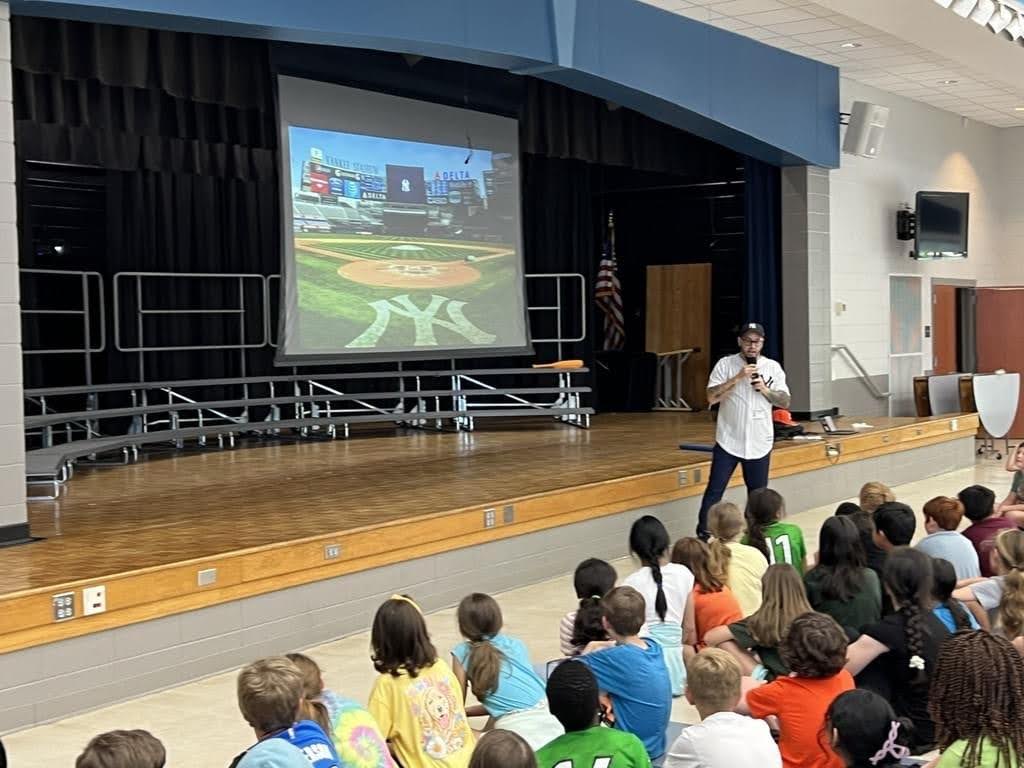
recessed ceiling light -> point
(948, 82)
(851, 45)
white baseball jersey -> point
(745, 426)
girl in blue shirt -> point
(498, 669)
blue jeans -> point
(723, 464)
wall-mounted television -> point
(941, 225)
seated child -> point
(846, 508)
(754, 641)
(950, 612)
(573, 698)
(864, 732)
(351, 727)
(416, 699)
(632, 672)
(998, 602)
(942, 516)
(778, 541)
(123, 749)
(502, 749)
(986, 523)
(743, 565)
(894, 525)
(270, 698)
(723, 739)
(714, 604)
(592, 580)
(1012, 507)
(895, 658)
(498, 668)
(840, 584)
(977, 701)
(814, 649)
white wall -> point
(924, 148)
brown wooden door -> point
(943, 329)
(679, 316)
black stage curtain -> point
(184, 129)
(763, 208)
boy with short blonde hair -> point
(270, 698)
(123, 749)
(723, 739)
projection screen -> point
(401, 228)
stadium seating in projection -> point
(402, 227)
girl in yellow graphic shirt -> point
(417, 701)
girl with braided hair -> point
(667, 591)
(896, 657)
(977, 706)
(950, 612)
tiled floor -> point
(199, 722)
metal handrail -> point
(862, 373)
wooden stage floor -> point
(376, 494)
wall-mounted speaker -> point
(866, 129)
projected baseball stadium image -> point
(402, 245)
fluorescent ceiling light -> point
(851, 45)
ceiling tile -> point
(799, 27)
(739, 7)
(777, 17)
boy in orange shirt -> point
(814, 648)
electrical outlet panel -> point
(332, 551)
(94, 600)
(508, 514)
(206, 577)
(683, 477)
(64, 606)
(490, 518)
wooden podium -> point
(679, 332)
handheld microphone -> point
(751, 360)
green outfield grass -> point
(334, 310)
(381, 247)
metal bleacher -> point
(64, 425)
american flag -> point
(608, 293)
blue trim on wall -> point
(754, 99)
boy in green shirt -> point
(573, 699)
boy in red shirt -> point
(814, 648)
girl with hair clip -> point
(950, 612)
(592, 580)
(998, 602)
(498, 669)
(863, 730)
(896, 656)
(742, 564)
(714, 604)
(778, 541)
(416, 699)
(978, 704)
(840, 584)
(352, 729)
(667, 591)
(755, 640)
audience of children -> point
(416, 699)
(632, 671)
(949, 611)
(573, 698)
(977, 701)
(742, 564)
(779, 542)
(1012, 506)
(667, 591)
(592, 580)
(942, 516)
(928, 671)
(120, 749)
(270, 697)
(998, 602)
(814, 649)
(986, 523)
(862, 729)
(840, 584)
(755, 640)
(502, 749)
(714, 604)
(499, 670)
(896, 657)
(723, 739)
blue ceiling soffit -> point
(754, 99)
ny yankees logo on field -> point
(424, 321)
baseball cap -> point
(751, 328)
(783, 417)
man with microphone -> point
(747, 386)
